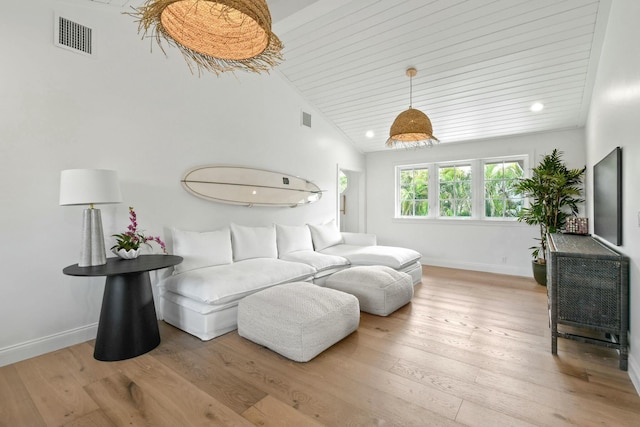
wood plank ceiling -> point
(481, 63)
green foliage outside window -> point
(414, 192)
(500, 196)
(343, 182)
(455, 191)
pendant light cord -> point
(410, 91)
(410, 73)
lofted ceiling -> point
(481, 63)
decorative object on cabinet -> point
(588, 289)
(90, 187)
(577, 226)
(555, 191)
(249, 187)
(412, 128)
(214, 35)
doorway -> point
(350, 200)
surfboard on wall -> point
(246, 186)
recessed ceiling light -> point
(537, 106)
(370, 134)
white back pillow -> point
(253, 242)
(325, 235)
(293, 238)
(201, 249)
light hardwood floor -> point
(470, 349)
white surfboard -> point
(249, 186)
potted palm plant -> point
(554, 191)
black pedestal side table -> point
(128, 325)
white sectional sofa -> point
(223, 266)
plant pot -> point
(126, 254)
(540, 273)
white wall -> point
(613, 121)
(501, 247)
(146, 116)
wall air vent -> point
(306, 119)
(72, 36)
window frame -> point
(398, 195)
(477, 188)
(455, 164)
(483, 162)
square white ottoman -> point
(380, 290)
(299, 320)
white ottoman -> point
(381, 290)
(299, 320)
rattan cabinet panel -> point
(588, 288)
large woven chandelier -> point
(214, 35)
(412, 128)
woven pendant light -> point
(214, 35)
(412, 128)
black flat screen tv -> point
(607, 197)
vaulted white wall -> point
(146, 116)
(495, 246)
(613, 122)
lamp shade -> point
(411, 126)
(89, 186)
(215, 35)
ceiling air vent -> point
(72, 36)
(306, 119)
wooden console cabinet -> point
(588, 288)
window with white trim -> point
(500, 199)
(480, 189)
(414, 191)
(455, 191)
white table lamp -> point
(90, 187)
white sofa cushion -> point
(226, 283)
(201, 249)
(390, 256)
(253, 242)
(317, 260)
(359, 239)
(325, 235)
(293, 238)
(196, 306)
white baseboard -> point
(488, 268)
(28, 349)
(634, 372)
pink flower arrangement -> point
(132, 238)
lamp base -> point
(92, 250)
